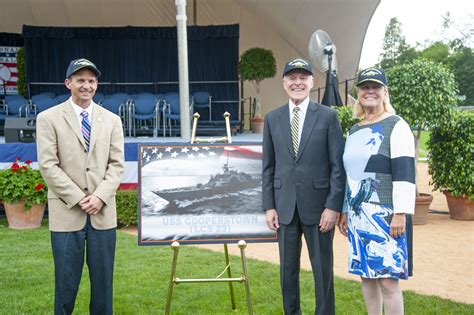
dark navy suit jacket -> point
(313, 180)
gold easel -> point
(227, 139)
(242, 244)
(243, 278)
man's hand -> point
(342, 224)
(91, 204)
(328, 220)
(397, 227)
(271, 217)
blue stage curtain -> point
(137, 54)
(11, 39)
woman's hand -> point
(397, 227)
(342, 224)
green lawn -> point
(141, 279)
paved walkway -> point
(443, 258)
(443, 252)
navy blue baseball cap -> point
(297, 64)
(372, 75)
(79, 64)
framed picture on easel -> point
(197, 194)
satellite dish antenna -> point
(322, 52)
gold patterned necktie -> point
(295, 124)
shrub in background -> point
(127, 207)
(346, 118)
(451, 146)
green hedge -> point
(127, 207)
(21, 81)
(346, 118)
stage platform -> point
(239, 137)
(27, 151)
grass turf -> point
(141, 282)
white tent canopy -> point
(284, 26)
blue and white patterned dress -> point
(379, 162)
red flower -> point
(18, 158)
(23, 167)
(15, 167)
(39, 186)
(28, 161)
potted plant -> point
(424, 94)
(255, 65)
(451, 163)
(24, 194)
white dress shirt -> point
(78, 110)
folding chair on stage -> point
(160, 98)
(44, 95)
(118, 104)
(41, 102)
(143, 110)
(98, 97)
(172, 110)
(62, 98)
(200, 100)
(13, 106)
(142, 94)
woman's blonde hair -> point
(387, 107)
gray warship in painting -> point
(229, 181)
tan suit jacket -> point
(72, 173)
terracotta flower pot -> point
(460, 208)
(19, 218)
(422, 206)
(256, 124)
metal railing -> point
(320, 90)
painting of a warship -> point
(223, 185)
(198, 194)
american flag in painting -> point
(8, 69)
(203, 193)
(194, 152)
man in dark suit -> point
(303, 185)
(81, 157)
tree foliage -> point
(423, 92)
(394, 46)
(437, 52)
(462, 65)
(452, 52)
(20, 63)
(257, 64)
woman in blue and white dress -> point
(380, 195)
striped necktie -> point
(86, 129)
(295, 125)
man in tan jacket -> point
(81, 157)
